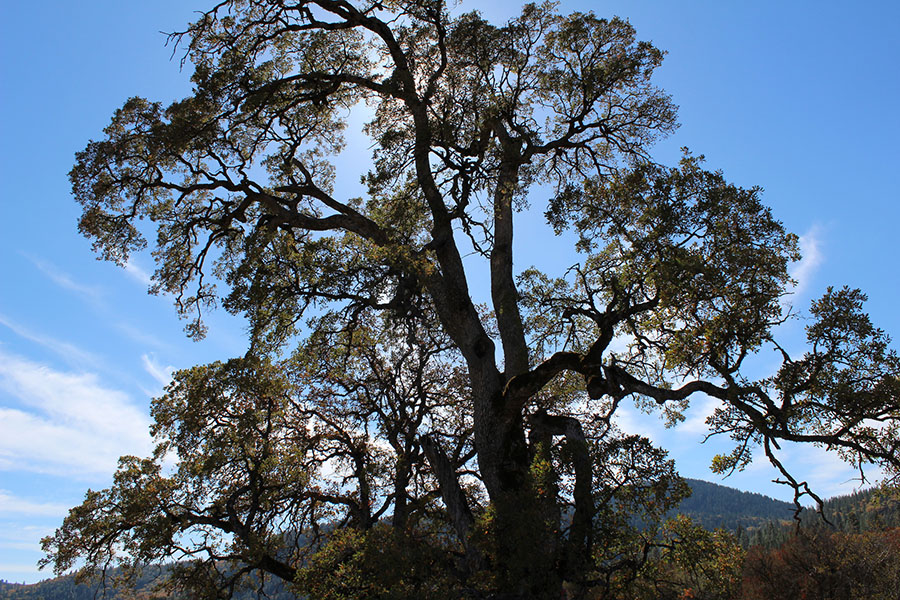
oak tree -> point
(385, 409)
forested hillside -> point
(59, 588)
(864, 511)
(65, 588)
(716, 506)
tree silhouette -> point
(377, 389)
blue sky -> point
(800, 98)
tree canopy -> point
(388, 434)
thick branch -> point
(453, 497)
(503, 287)
(580, 533)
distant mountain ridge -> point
(713, 505)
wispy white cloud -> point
(95, 297)
(71, 353)
(21, 543)
(694, 423)
(67, 424)
(140, 336)
(23, 524)
(812, 257)
(137, 273)
(16, 532)
(33, 546)
(10, 504)
(825, 472)
(162, 374)
(26, 568)
(64, 280)
(633, 421)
